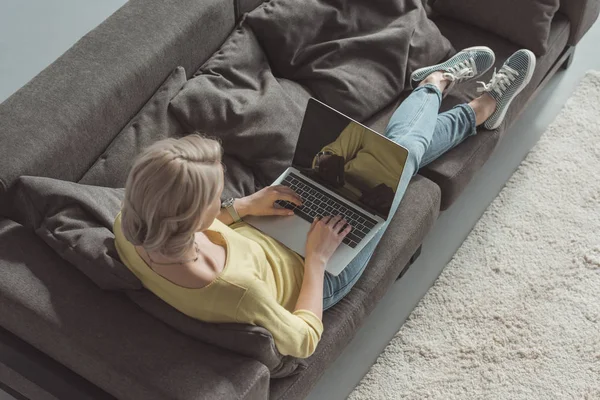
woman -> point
(174, 235)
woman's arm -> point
(324, 237)
(241, 208)
(262, 203)
(295, 333)
(311, 292)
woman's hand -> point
(262, 203)
(324, 237)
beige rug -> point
(516, 313)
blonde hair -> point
(170, 185)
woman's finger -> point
(346, 231)
(339, 225)
(281, 211)
(291, 197)
(326, 219)
(280, 189)
(333, 221)
(314, 223)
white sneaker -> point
(507, 83)
(467, 64)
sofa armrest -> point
(582, 14)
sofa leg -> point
(413, 258)
(570, 53)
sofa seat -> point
(455, 169)
(415, 217)
(105, 337)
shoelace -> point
(463, 70)
(500, 81)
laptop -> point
(340, 167)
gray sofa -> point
(64, 125)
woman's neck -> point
(190, 256)
(211, 262)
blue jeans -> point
(417, 126)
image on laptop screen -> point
(348, 158)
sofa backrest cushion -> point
(152, 123)
(356, 56)
(60, 122)
(524, 22)
(235, 97)
(244, 6)
(76, 221)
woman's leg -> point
(411, 126)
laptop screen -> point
(348, 158)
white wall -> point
(33, 33)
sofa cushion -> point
(156, 121)
(356, 58)
(244, 6)
(76, 221)
(524, 22)
(455, 169)
(153, 122)
(415, 217)
(106, 338)
(74, 108)
(250, 341)
(235, 97)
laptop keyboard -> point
(316, 203)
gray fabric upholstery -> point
(235, 97)
(354, 58)
(105, 337)
(250, 341)
(156, 121)
(582, 14)
(524, 22)
(78, 104)
(152, 123)
(244, 6)
(455, 169)
(415, 217)
(76, 221)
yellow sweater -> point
(259, 285)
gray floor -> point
(35, 32)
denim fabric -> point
(417, 126)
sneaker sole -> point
(476, 48)
(532, 65)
